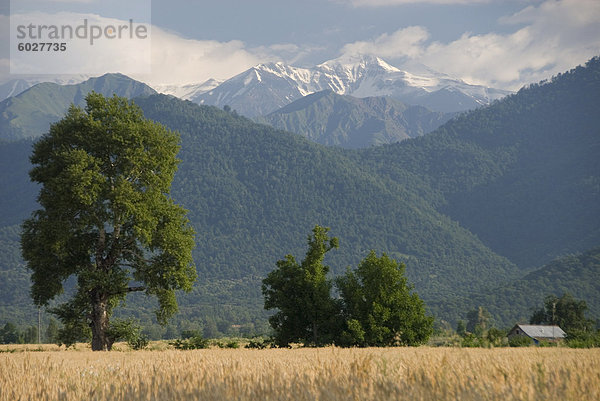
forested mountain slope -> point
(349, 122)
(576, 274)
(254, 193)
(522, 174)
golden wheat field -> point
(303, 374)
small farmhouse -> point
(537, 333)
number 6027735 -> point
(42, 46)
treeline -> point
(566, 312)
(10, 333)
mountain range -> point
(265, 88)
(473, 208)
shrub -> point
(128, 330)
(470, 341)
(259, 343)
(520, 341)
(195, 342)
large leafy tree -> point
(302, 294)
(379, 306)
(106, 216)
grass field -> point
(302, 374)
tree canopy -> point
(379, 307)
(106, 216)
(301, 292)
(566, 312)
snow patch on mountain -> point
(270, 86)
(188, 91)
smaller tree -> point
(9, 334)
(566, 312)
(30, 335)
(301, 293)
(461, 328)
(478, 321)
(52, 331)
(379, 307)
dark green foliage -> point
(257, 191)
(566, 312)
(52, 331)
(106, 216)
(520, 341)
(471, 340)
(227, 344)
(478, 321)
(461, 328)
(379, 306)
(127, 330)
(259, 343)
(75, 327)
(495, 336)
(9, 334)
(12, 334)
(301, 294)
(195, 342)
(583, 339)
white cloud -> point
(404, 42)
(172, 59)
(70, 1)
(176, 60)
(385, 3)
(90, 44)
(552, 37)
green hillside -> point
(523, 174)
(576, 274)
(470, 208)
(331, 119)
(30, 113)
(254, 193)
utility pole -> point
(39, 325)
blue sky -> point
(504, 44)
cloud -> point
(79, 44)
(170, 59)
(69, 1)
(176, 60)
(551, 37)
(387, 3)
(405, 42)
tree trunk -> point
(100, 323)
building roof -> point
(537, 331)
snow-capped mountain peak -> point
(270, 86)
(357, 62)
